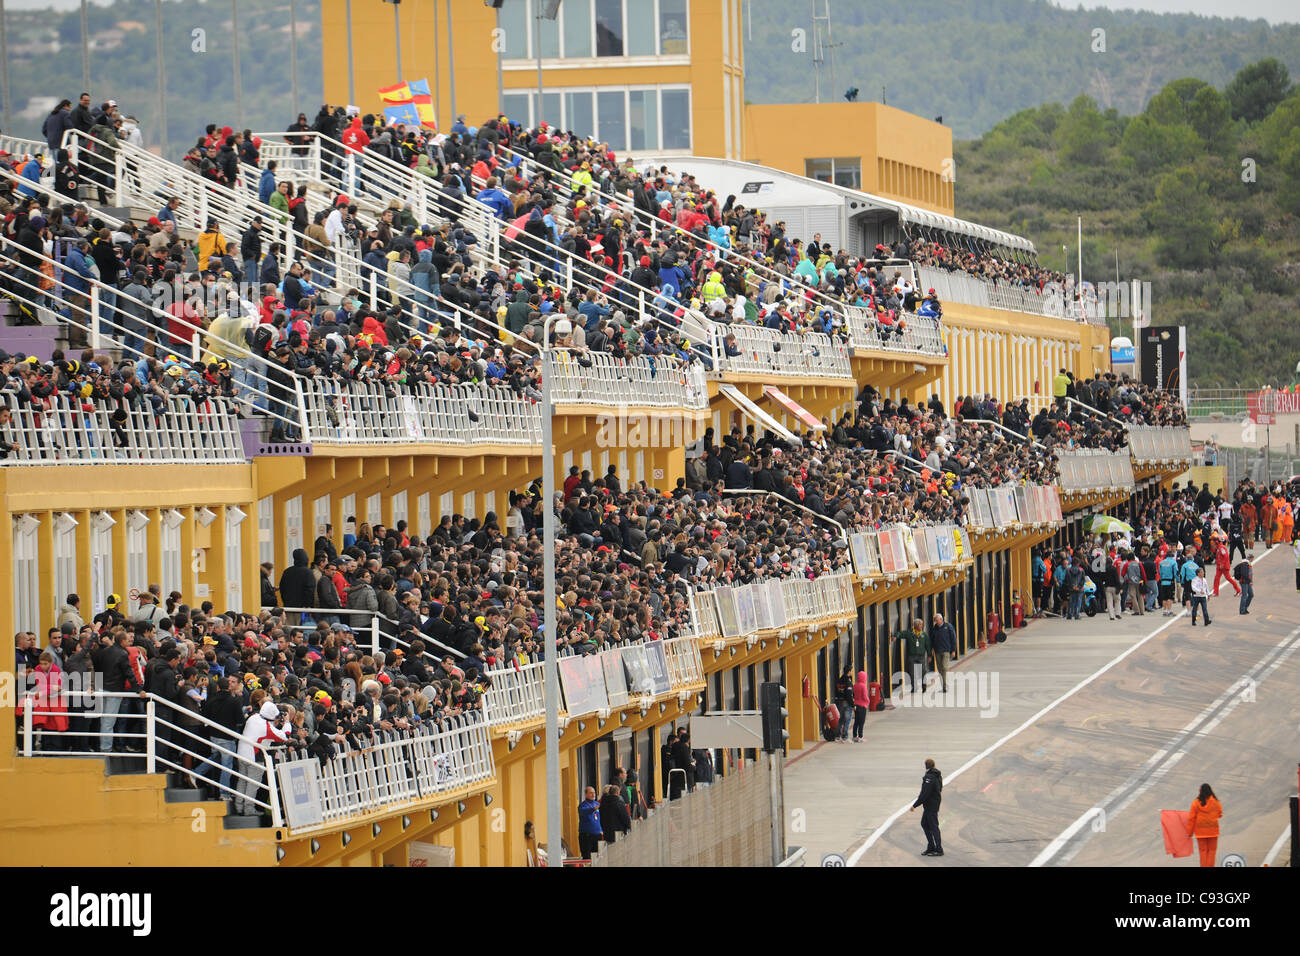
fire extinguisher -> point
(807, 686)
(993, 624)
(1017, 610)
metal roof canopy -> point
(726, 176)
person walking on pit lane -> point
(1245, 575)
(1200, 590)
(916, 650)
(943, 644)
(930, 797)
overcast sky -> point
(1274, 11)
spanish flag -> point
(423, 100)
(398, 95)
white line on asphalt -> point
(1164, 759)
(880, 831)
(1277, 847)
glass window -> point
(517, 106)
(550, 109)
(848, 172)
(672, 28)
(643, 119)
(515, 28)
(577, 28)
(677, 119)
(550, 38)
(578, 115)
(609, 27)
(819, 169)
(610, 109)
(640, 28)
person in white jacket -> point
(259, 732)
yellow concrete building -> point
(645, 76)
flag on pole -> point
(410, 103)
(396, 95)
(423, 101)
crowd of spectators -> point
(1175, 534)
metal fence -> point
(1150, 444)
(340, 413)
(81, 431)
(398, 768)
(974, 290)
(919, 333)
(518, 694)
(727, 823)
(1095, 469)
(766, 351)
(1222, 402)
(642, 381)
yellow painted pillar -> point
(118, 557)
(85, 580)
(250, 558)
(191, 558)
(153, 532)
(7, 629)
(797, 705)
(214, 575)
(45, 562)
(280, 535)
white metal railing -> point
(660, 382)
(166, 733)
(399, 768)
(766, 351)
(515, 695)
(101, 312)
(369, 623)
(1151, 444)
(77, 431)
(987, 293)
(685, 666)
(376, 413)
(917, 333)
(1095, 469)
(778, 603)
(518, 694)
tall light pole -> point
(397, 34)
(85, 48)
(239, 80)
(352, 89)
(293, 51)
(550, 617)
(451, 59)
(4, 68)
(162, 97)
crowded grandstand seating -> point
(401, 293)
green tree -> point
(1257, 88)
(1183, 219)
(1211, 116)
(1082, 134)
(1153, 146)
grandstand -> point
(346, 388)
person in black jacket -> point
(614, 816)
(298, 585)
(682, 761)
(930, 797)
(226, 707)
(114, 663)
